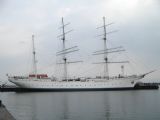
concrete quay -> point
(4, 113)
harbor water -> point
(94, 105)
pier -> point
(146, 86)
(4, 113)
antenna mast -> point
(34, 58)
(122, 70)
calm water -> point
(101, 105)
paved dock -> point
(4, 114)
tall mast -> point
(34, 57)
(64, 55)
(65, 50)
(106, 72)
(107, 50)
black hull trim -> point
(77, 89)
(142, 86)
(60, 90)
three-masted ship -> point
(41, 82)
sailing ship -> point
(41, 82)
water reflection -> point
(108, 105)
(60, 105)
(65, 110)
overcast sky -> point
(137, 21)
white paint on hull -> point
(88, 84)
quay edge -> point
(4, 113)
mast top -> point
(34, 58)
(104, 29)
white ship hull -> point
(90, 84)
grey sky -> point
(138, 22)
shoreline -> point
(4, 113)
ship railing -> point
(81, 79)
(114, 77)
(122, 77)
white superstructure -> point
(37, 81)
